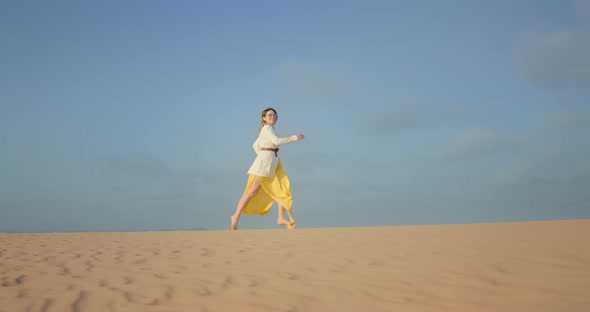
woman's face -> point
(270, 118)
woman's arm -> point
(269, 133)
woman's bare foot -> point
(283, 221)
(234, 222)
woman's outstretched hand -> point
(300, 137)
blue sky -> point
(140, 115)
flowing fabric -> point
(276, 188)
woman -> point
(267, 181)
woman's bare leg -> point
(235, 218)
(281, 218)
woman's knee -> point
(253, 191)
(255, 187)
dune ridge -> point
(517, 266)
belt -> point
(270, 149)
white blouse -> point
(266, 162)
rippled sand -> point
(529, 266)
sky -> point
(141, 115)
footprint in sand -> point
(288, 275)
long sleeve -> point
(268, 133)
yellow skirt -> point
(276, 188)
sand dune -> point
(529, 266)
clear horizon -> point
(116, 116)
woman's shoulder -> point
(267, 128)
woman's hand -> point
(300, 137)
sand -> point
(526, 266)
